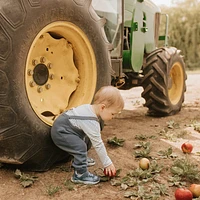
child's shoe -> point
(90, 162)
(85, 178)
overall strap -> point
(83, 117)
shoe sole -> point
(91, 164)
(84, 182)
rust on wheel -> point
(176, 83)
(60, 70)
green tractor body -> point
(56, 54)
(139, 19)
(132, 27)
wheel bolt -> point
(34, 62)
(48, 86)
(51, 76)
(42, 59)
(49, 65)
(32, 83)
(30, 72)
(39, 89)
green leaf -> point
(116, 142)
(124, 186)
(172, 125)
(186, 169)
(27, 183)
(177, 170)
(104, 178)
(141, 137)
(18, 174)
(165, 154)
(25, 179)
(118, 172)
(130, 194)
(115, 182)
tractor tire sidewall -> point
(155, 83)
(24, 137)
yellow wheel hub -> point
(60, 70)
(176, 81)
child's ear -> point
(103, 106)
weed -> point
(142, 183)
(172, 125)
(169, 132)
(176, 181)
(116, 142)
(141, 137)
(167, 153)
(143, 193)
(144, 145)
(185, 169)
(52, 190)
(172, 135)
(26, 180)
(144, 152)
(160, 189)
(146, 174)
(144, 137)
(69, 185)
(183, 133)
(196, 125)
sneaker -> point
(90, 162)
(85, 178)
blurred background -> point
(184, 28)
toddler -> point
(72, 130)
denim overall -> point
(72, 140)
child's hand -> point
(110, 170)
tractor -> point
(56, 54)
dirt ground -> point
(138, 130)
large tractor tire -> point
(164, 82)
(53, 56)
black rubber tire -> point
(24, 138)
(157, 80)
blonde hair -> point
(110, 96)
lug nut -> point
(51, 76)
(39, 89)
(49, 65)
(30, 72)
(48, 86)
(32, 83)
(42, 59)
(34, 62)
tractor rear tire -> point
(164, 82)
(54, 55)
